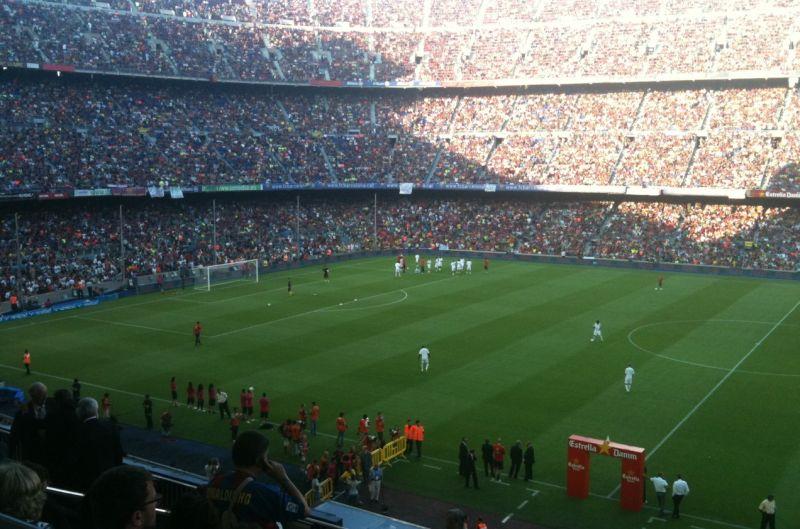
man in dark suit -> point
(516, 460)
(487, 456)
(98, 445)
(27, 439)
(470, 471)
(463, 456)
(62, 426)
(528, 460)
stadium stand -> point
(65, 246)
(449, 41)
(86, 135)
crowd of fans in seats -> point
(384, 41)
(77, 246)
(57, 135)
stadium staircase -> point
(588, 245)
(498, 139)
(222, 59)
(328, 164)
(699, 138)
(629, 138)
(159, 46)
(440, 143)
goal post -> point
(207, 277)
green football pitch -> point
(715, 396)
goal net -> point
(206, 277)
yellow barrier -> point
(393, 450)
(326, 491)
(377, 458)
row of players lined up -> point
(422, 265)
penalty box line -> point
(713, 390)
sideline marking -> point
(523, 504)
(713, 390)
(84, 383)
(507, 518)
(696, 364)
(432, 466)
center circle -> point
(633, 342)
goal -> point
(206, 277)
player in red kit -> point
(197, 330)
(263, 406)
(660, 283)
(363, 426)
(380, 426)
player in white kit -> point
(629, 372)
(598, 331)
(453, 266)
(424, 359)
(469, 266)
(398, 270)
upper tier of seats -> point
(378, 41)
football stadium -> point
(372, 264)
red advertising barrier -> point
(579, 452)
(61, 195)
(58, 67)
(323, 82)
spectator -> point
(22, 493)
(98, 446)
(268, 503)
(123, 497)
(27, 440)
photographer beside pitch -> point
(246, 497)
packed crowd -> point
(75, 246)
(85, 135)
(358, 40)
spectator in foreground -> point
(123, 497)
(22, 493)
(260, 503)
(98, 443)
(27, 439)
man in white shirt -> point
(679, 490)
(767, 508)
(453, 267)
(660, 484)
(469, 266)
(629, 372)
(598, 331)
(398, 269)
(424, 357)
